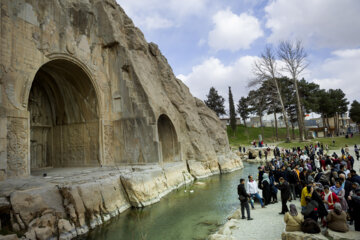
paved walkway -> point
(267, 223)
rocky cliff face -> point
(81, 87)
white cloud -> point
(157, 14)
(340, 71)
(323, 23)
(234, 32)
(213, 73)
(155, 22)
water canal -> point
(181, 215)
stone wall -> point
(97, 70)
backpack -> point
(310, 226)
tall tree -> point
(294, 56)
(232, 112)
(273, 104)
(257, 100)
(340, 105)
(243, 109)
(355, 111)
(265, 69)
(215, 102)
(288, 93)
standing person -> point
(266, 190)
(357, 152)
(329, 198)
(355, 203)
(285, 194)
(240, 149)
(306, 192)
(340, 193)
(243, 197)
(266, 154)
(252, 190)
(260, 154)
(316, 196)
(292, 178)
(244, 150)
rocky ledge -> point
(67, 205)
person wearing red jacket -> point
(329, 198)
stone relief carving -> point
(17, 147)
(108, 141)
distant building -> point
(316, 125)
(226, 121)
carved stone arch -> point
(65, 115)
(168, 140)
(74, 60)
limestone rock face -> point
(81, 87)
(147, 187)
(9, 237)
(92, 48)
(302, 236)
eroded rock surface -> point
(80, 87)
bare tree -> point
(265, 69)
(294, 57)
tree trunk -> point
(300, 114)
(244, 122)
(328, 123)
(262, 128)
(276, 127)
(304, 127)
(283, 110)
(293, 130)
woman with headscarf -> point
(266, 190)
(293, 219)
(336, 219)
(340, 193)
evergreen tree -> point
(215, 102)
(257, 100)
(355, 112)
(243, 109)
(232, 112)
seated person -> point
(293, 219)
(336, 219)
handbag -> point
(242, 198)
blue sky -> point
(215, 42)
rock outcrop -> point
(66, 208)
(81, 87)
(127, 106)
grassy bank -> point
(244, 136)
(339, 142)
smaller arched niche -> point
(168, 139)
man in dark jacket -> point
(243, 197)
(354, 177)
(285, 194)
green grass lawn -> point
(244, 136)
(339, 142)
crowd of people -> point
(327, 186)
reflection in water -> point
(179, 215)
